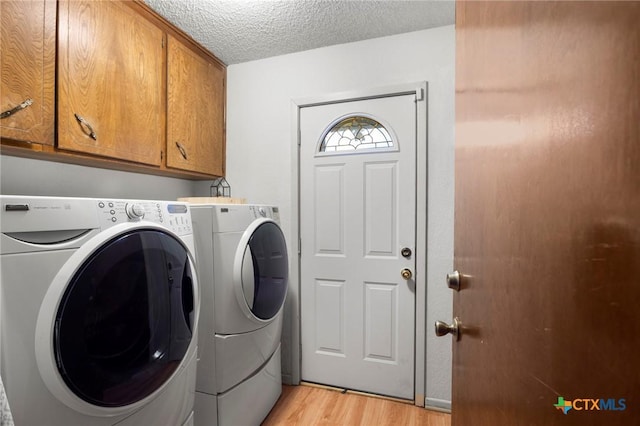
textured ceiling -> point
(244, 30)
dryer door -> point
(124, 321)
(261, 270)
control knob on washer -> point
(134, 211)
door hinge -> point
(299, 246)
(299, 136)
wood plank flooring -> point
(307, 405)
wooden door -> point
(195, 111)
(111, 81)
(27, 58)
(357, 216)
(547, 225)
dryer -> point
(243, 269)
(100, 311)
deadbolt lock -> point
(406, 273)
(453, 280)
(405, 252)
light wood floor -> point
(309, 405)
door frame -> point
(419, 89)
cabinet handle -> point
(183, 152)
(84, 123)
(15, 109)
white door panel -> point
(329, 318)
(329, 205)
(380, 188)
(357, 212)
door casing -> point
(421, 92)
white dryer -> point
(244, 270)
(100, 311)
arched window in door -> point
(356, 133)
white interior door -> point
(357, 214)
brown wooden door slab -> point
(547, 226)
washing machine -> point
(243, 268)
(100, 305)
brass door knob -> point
(406, 273)
(442, 328)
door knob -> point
(406, 273)
(442, 328)
(453, 280)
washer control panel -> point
(175, 216)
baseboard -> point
(437, 405)
(287, 379)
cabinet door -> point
(111, 64)
(195, 111)
(27, 57)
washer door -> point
(123, 322)
(261, 270)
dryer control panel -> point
(175, 216)
(260, 211)
(270, 212)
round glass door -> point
(265, 271)
(124, 322)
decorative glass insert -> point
(356, 133)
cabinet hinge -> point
(163, 42)
(161, 155)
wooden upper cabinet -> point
(195, 110)
(111, 82)
(133, 92)
(27, 57)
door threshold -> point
(356, 392)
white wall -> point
(259, 148)
(24, 176)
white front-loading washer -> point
(243, 269)
(100, 311)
